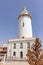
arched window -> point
(21, 45)
(28, 45)
(23, 24)
(14, 53)
(21, 54)
(14, 45)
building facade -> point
(3, 51)
(17, 48)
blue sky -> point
(9, 11)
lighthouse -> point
(17, 48)
(24, 25)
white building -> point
(17, 48)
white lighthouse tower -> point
(25, 27)
(17, 48)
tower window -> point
(28, 45)
(21, 45)
(14, 53)
(22, 37)
(21, 54)
(23, 24)
(14, 45)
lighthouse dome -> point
(24, 12)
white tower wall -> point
(25, 27)
(26, 30)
